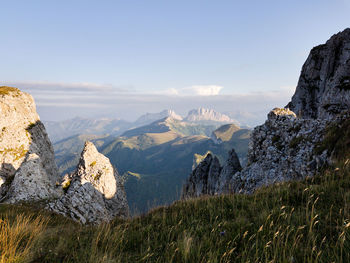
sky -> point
(121, 59)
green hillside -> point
(162, 157)
(67, 151)
(301, 221)
(162, 168)
(225, 132)
(169, 124)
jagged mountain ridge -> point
(207, 116)
(152, 117)
(59, 130)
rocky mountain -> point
(152, 117)
(287, 146)
(94, 192)
(28, 170)
(324, 84)
(207, 116)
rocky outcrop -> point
(208, 178)
(285, 147)
(230, 168)
(323, 89)
(27, 168)
(280, 150)
(203, 178)
(94, 193)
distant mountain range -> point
(152, 117)
(208, 115)
(59, 130)
(157, 157)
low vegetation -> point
(307, 221)
(4, 90)
(304, 221)
(16, 153)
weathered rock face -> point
(284, 148)
(323, 89)
(209, 178)
(27, 168)
(280, 150)
(95, 192)
(230, 168)
(203, 178)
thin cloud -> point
(49, 87)
(57, 101)
(195, 90)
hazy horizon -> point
(55, 103)
(122, 60)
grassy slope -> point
(67, 151)
(169, 124)
(163, 168)
(225, 132)
(305, 221)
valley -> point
(155, 159)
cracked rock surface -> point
(94, 192)
(28, 171)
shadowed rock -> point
(323, 89)
(28, 170)
(209, 178)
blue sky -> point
(160, 48)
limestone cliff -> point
(323, 89)
(285, 147)
(94, 192)
(281, 149)
(27, 168)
